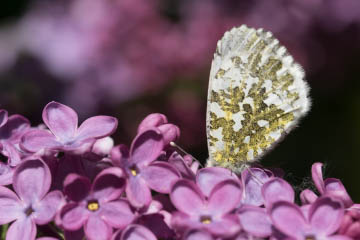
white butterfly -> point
(256, 95)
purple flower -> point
(212, 213)
(11, 130)
(31, 205)
(331, 187)
(320, 221)
(143, 172)
(96, 206)
(170, 132)
(134, 232)
(64, 134)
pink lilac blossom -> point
(149, 191)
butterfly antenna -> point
(183, 151)
(252, 174)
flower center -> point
(205, 219)
(134, 170)
(93, 205)
(29, 211)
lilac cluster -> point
(75, 181)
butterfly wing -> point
(256, 95)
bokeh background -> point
(129, 58)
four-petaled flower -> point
(64, 134)
(98, 206)
(31, 204)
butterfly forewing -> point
(256, 95)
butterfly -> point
(256, 95)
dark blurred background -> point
(129, 58)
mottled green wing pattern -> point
(256, 95)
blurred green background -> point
(131, 58)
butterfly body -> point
(256, 95)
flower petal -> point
(61, 120)
(14, 128)
(138, 192)
(179, 163)
(151, 121)
(46, 209)
(109, 184)
(160, 176)
(146, 147)
(3, 117)
(6, 174)
(117, 213)
(24, 228)
(119, 155)
(170, 133)
(76, 187)
(12, 153)
(325, 215)
(32, 179)
(73, 216)
(316, 173)
(307, 196)
(187, 197)
(197, 234)
(96, 229)
(35, 140)
(277, 189)
(136, 232)
(255, 221)
(10, 206)
(96, 127)
(288, 218)
(252, 182)
(224, 227)
(224, 197)
(335, 188)
(208, 178)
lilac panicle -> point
(97, 206)
(31, 204)
(108, 188)
(142, 169)
(64, 134)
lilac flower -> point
(31, 205)
(331, 186)
(95, 206)
(170, 132)
(11, 130)
(64, 133)
(134, 232)
(321, 221)
(212, 213)
(143, 171)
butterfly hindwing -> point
(256, 95)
